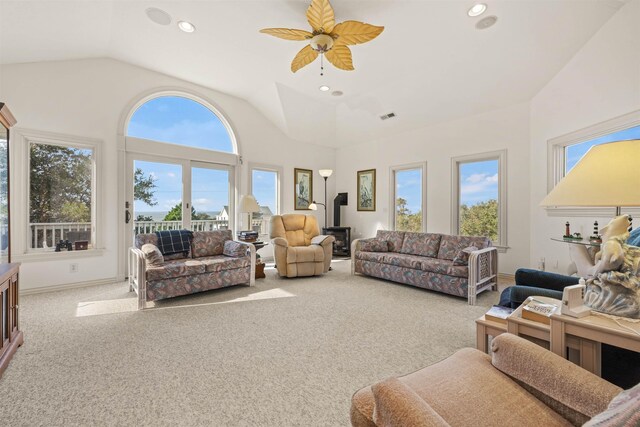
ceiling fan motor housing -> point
(321, 43)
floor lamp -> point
(325, 173)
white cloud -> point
(171, 174)
(480, 183)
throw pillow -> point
(624, 410)
(152, 255)
(374, 245)
(462, 257)
(234, 249)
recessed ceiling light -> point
(324, 88)
(487, 22)
(337, 93)
(477, 9)
(158, 16)
(187, 27)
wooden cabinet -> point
(11, 336)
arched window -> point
(182, 121)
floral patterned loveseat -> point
(214, 261)
(457, 265)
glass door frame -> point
(186, 164)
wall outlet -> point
(541, 264)
(73, 267)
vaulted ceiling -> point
(429, 65)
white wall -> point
(601, 82)
(88, 97)
(506, 128)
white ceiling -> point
(429, 65)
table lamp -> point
(607, 175)
(248, 205)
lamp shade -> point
(313, 206)
(325, 173)
(248, 204)
(608, 175)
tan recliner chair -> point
(298, 247)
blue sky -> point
(478, 182)
(575, 152)
(184, 122)
(264, 184)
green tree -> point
(405, 220)
(175, 214)
(60, 183)
(144, 218)
(144, 188)
(480, 219)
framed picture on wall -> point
(367, 190)
(303, 188)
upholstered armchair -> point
(298, 247)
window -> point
(182, 121)
(408, 197)
(479, 205)
(565, 151)
(265, 187)
(61, 194)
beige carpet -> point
(287, 352)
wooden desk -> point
(589, 333)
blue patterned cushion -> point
(423, 244)
(234, 249)
(462, 257)
(393, 238)
(374, 245)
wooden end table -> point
(259, 265)
(589, 333)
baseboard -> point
(506, 277)
(44, 289)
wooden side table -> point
(259, 264)
(589, 333)
(487, 328)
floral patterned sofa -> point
(462, 266)
(214, 261)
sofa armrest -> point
(567, 388)
(323, 240)
(396, 405)
(252, 254)
(280, 241)
(483, 271)
(544, 279)
(138, 276)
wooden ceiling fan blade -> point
(305, 57)
(340, 57)
(287, 33)
(355, 32)
(321, 17)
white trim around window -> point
(20, 158)
(279, 171)
(392, 192)
(556, 151)
(501, 157)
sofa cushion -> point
(313, 253)
(152, 255)
(444, 266)
(624, 410)
(372, 256)
(151, 238)
(374, 245)
(450, 245)
(209, 243)
(396, 405)
(424, 244)
(393, 238)
(462, 257)
(221, 263)
(235, 249)
(173, 269)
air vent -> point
(387, 116)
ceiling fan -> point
(327, 38)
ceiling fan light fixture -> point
(477, 10)
(324, 88)
(186, 26)
(321, 43)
